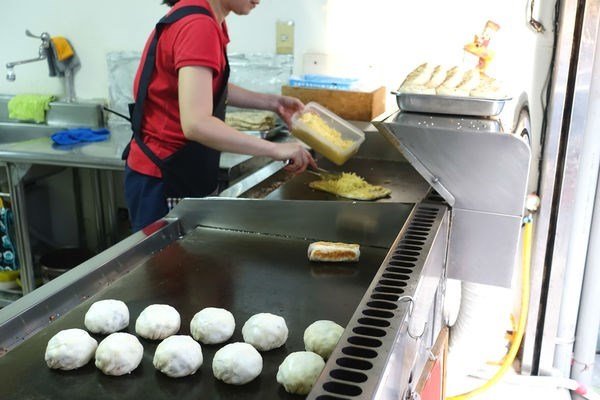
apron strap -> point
(146, 75)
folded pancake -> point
(469, 81)
(333, 252)
(437, 77)
(453, 79)
(419, 76)
(488, 88)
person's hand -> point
(297, 156)
(286, 106)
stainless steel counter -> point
(104, 155)
(15, 146)
(107, 155)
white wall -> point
(388, 36)
(94, 28)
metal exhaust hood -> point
(482, 173)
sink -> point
(58, 116)
(18, 132)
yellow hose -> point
(516, 343)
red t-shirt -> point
(196, 40)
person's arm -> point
(198, 124)
(285, 106)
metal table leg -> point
(15, 181)
(98, 209)
(111, 212)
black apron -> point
(193, 170)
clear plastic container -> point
(336, 147)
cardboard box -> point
(350, 105)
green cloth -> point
(29, 107)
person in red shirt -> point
(181, 90)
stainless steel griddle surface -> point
(242, 272)
(401, 178)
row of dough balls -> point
(120, 353)
(209, 326)
(180, 355)
(156, 322)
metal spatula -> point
(324, 174)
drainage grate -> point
(355, 368)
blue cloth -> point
(78, 135)
(145, 198)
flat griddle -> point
(243, 272)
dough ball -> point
(237, 363)
(299, 371)
(107, 316)
(321, 337)
(158, 321)
(178, 356)
(265, 331)
(119, 354)
(212, 325)
(70, 349)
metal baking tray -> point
(452, 105)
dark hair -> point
(170, 3)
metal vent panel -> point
(406, 281)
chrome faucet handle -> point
(42, 54)
(28, 33)
(45, 37)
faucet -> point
(42, 55)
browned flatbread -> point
(331, 251)
(251, 120)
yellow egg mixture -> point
(351, 186)
(327, 133)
